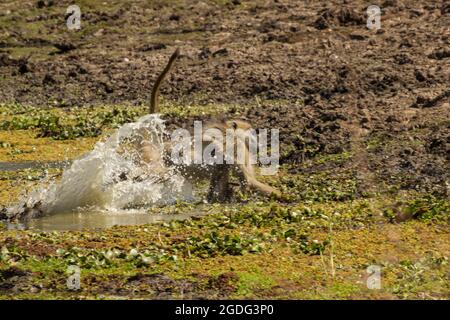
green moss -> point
(341, 290)
(88, 122)
(429, 208)
(253, 281)
(334, 158)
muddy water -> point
(85, 220)
(96, 220)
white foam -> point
(94, 179)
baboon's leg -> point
(246, 172)
(219, 187)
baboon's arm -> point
(154, 106)
(249, 178)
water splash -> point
(110, 180)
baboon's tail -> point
(154, 107)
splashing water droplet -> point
(112, 181)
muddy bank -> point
(315, 52)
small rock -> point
(419, 76)
(99, 33)
(64, 47)
(357, 36)
(221, 52)
(174, 17)
(34, 289)
(23, 66)
(439, 54)
(152, 46)
(48, 79)
(204, 53)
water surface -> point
(13, 166)
(97, 220)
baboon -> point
(218, 174)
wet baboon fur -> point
(218, 174)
